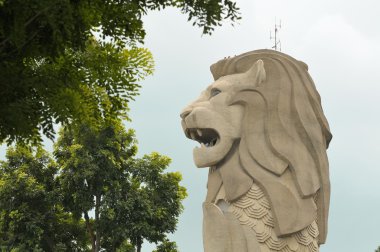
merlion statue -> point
(263, 135)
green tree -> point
(76, 86)
(157, 200)
(52, 71)
(132, 199)
(378, 249)
(91, 162)
(126, 246)
(31, 216)
(166, 246)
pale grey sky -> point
(339, 40)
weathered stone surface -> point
(264, 136)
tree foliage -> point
(92, 164)
(166, 246)
(31, 215)
(95, 194)
(76, 86)
(133, 199)
(52, 70)
(158, 197)
(378, 249)
(45, 28)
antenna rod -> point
(277, 43)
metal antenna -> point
(277, 42)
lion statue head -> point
(264, 110)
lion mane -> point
(289, 161)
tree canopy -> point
(76, 86)
(92, 163)
(79, 63)
(31, 214)
(166, 246)
(132, 198)
(158, 200)
(93, 193)
(52, 70)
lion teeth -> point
(192, 135)
(199, 132)
(202, 145)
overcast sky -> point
(339, 40)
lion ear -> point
(257, 73)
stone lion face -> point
(266, 102)
(213, 122)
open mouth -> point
(206, 137)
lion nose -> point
(185, 113)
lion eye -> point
(214, 92)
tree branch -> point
(28, 22)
